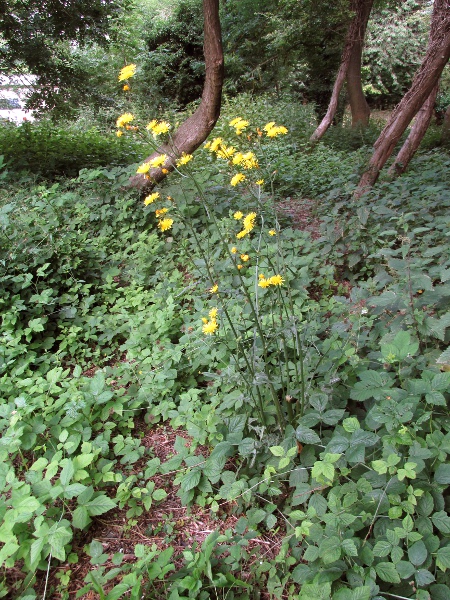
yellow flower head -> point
(210, 327)
(276, 280)
(238, 215)
(225, 152)
(272, 232)
(184, 159)
(235, 121)
(213, 313)
(208, 145)
(249, 161)
(160, 128)
(161, 211)
(264, 283)
(127, 72)
(150, 199)
(242, 234)
(260, 182)
(237, 179)
(204, 319)
(158, 161)
(165, 224)
(269, 126)
(249, 221)
(238, 158)
(244, 257)
(233, 250)
(151, 125)
(240, 267)
(214, 289)
(215, 144)
(126, 88)
(124, 119)
(144, 168)
(119, 132)
(276, 130)
(261, 276)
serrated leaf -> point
(441, 521)
(80, 517)
(443, 558)
(307, 436)
(373, 384)
(349, 547)
(191, 480)
(277, 450)
(67, 473)
(382, 548)
(424, 577)
(330, 550)
(100, 505)
(387, 572)
(405, 569)
(159, 494)
(417, 553)
(442, 474)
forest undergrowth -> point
(200, 400)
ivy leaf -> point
(387, 572)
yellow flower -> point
(242, 234)
(213, 313)
(144, 168)
(238, 158)
(237, 179)
(158, 160)
(233, 250)
(261, 276)
(249, 161)
(127, 72)
(149, 199)
(204, 319)
(276, 130)
(225, 152)
(165, 171)
(152, 124)
(119, 132)
(238, 215)
(126, 87)
(276, 280)
(160, 128)
(240, 267)
(249, 221)
(235, 121)
(272, 232)
(264, 283)
(161, 211)
(260, 182)
(269, 126)
(208, 145)
(244, 257)
(210, 327)
(215, 144)
(165, 224)
(214, 289)
(184, 159)
(124, 119)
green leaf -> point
(349, 547)
(191, 480)
(330, 550)
(405, 569)
(100, 505)
(373, 384)
(387, 572)
(351, 424)
(442, 474)
(443, 558)
(67, 473)
(417, 553)
(424, 577)
(441, 521)
(159, 494)
(80, 517)
(307, 436)
(277, 450)
(382, 548)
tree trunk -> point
(358, 104)
(416, 134)
(194, 131)
(436, 57)
(351, 55)
(446, 127)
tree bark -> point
(351, 56)
(194, 131)
(358, 104)
(416, 134)
(426, 78)
(446, 127)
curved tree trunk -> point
(358, 104)
(351, 55)
(416, 134)
(446, 127)
(194, 131)
(436, 57)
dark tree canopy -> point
(37, 36)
